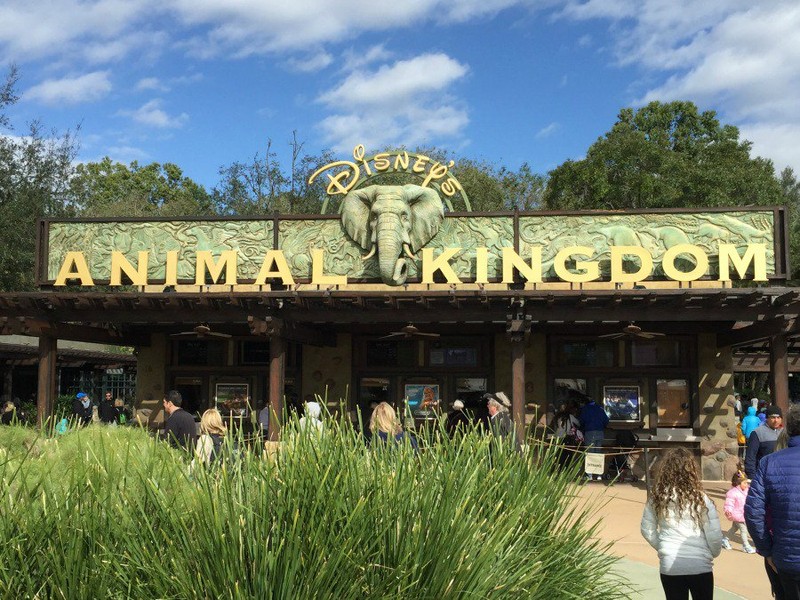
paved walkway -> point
(736, 574)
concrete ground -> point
(620, 507)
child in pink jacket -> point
(734, 510)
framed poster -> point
(232, 399)
(422, 399)
(621, 402)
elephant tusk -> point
(407, 250)
(371, 253)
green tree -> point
(263, 186)
(34, 171)
(664, 155)
(112, 189)
(790, 189)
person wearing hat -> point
(82, 408)
(762, 440)
(499, 419)
(457, 419)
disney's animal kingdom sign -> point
(424, 245)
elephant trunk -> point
(391, 235)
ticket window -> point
(674, 407)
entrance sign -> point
(417, 245)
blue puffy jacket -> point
(771, 511)
(750, 422)
(593, 417)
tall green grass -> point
(111, 513)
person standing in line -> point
(109, 414)
(734, 511)
(180, 430)
(310, 420)
(386, 429)
(82, 408)
(750, 422)
(762, 441)
(772, 515)
(499, 419)
(212, 434)
(681, 523)
(593, 424)
(457, 419)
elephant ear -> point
(355, 215)
(427, 212)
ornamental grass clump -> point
(112, 513)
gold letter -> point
(532, 272)
(441, 263)
(119, 264)
(205, 260)
(618, 273)
(755, 253)
(318, 276)
(590, 269)
(171, 268)
(401, 160)
(668, 262)
(481, 265)
(74, 267)
(281, 268)
(381, 161)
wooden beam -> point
(757, 332)
(290, 331)
(518, 329)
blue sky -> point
(203, 83)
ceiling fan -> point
(408, 332)
(632, 330)
(200, 331)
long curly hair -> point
(678, 486)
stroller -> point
(619, 467)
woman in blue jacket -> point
(750, 422)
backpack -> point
(740, 438)
(222, 453)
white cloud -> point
(71, 90)
(153, 115)
(408, 102)
(150, 83)
(310, 64)
(547, 130)
(737, 57)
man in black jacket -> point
(180, 429)
(82, 408)
(762, 440)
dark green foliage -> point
(109, 513)
(111, 189)
(664, 155)
(34, 174)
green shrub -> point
(111, 513)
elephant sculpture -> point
(393, 220)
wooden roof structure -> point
(739, 316)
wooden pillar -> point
(518, 328)
(518, 386)
(8, 382)
(277, 373)
(46, 393)
(779, 371)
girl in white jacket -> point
(681, 523)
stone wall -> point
(716, 422)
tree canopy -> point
(112, 189)
(35, 169)
(664, 155)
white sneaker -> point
(749, 550)
(726, 544)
